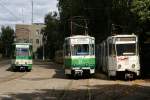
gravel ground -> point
(47, 82)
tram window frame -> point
(20, 50)
(126, 48)
(30, 50)
(111, 49)
(13, 51)
(75, 49)
(137, 48)
(67, 50)
(91, 49)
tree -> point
(67, 10)
(101, 14)
(7, 39)
(142, 9)
(94, 11)
(52, 34)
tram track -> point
(64, 93)
(3, 63)
(5, 66)
(88, 90)
(12, 76)
(75, 84)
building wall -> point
(22, 32)
(30, 33)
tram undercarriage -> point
(79, 72)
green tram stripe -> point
(80, 62)
(24, 57)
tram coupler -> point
(129, 76)
(78, 72)
(22, 68)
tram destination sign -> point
(126, 39)
(80, 41)
(22, 46)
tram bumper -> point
(129, 70)
(80, 71)
(21, 67)
(85, 70)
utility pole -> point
(71, 26)
(86, 27)
(22, 16)
(32, 12)
(43, 47)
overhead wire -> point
(10, 12)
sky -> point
(20, 11)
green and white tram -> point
(79, 55)
(22, 56)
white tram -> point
(119, 54)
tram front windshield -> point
(22, 52)
(126, 49)
(80, 49)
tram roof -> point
(115, 36)
(80, 36)
(123, 35)
(22, 43)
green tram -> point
(22, 57)
(79, 55)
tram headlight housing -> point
(133, 65)
(119, 66)
(17, 63)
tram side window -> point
(106, 50)
(67, 51)
(13, 52)
(92, 49)
(30, 48)
(111, 49)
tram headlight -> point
(17, 63)
(133, 65)
(119, 66)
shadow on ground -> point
(99, 92)
(59, 72)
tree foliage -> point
(103, 17)
(7, 39)
(130, 15)
(101, 14)
(52, 35)
(142, 9)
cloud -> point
(17, 11)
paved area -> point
(47, 82)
